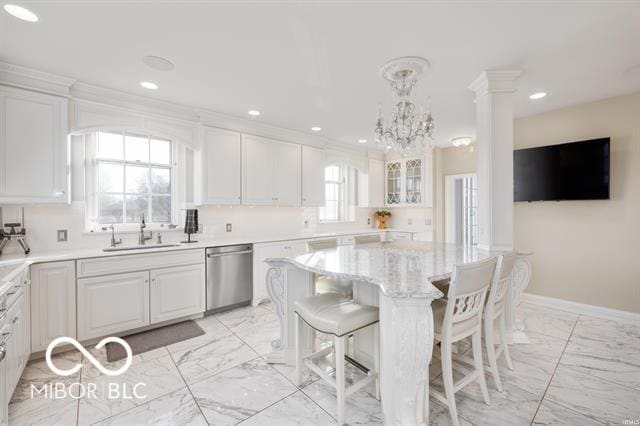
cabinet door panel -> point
(313, 163)
(112, 303)
(33, 147)
(288, 174)
(376, 183)
(258, 168)
(222, 167)
(53, 303)
(177, 292)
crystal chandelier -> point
(407, 128)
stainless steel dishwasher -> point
(229, 277)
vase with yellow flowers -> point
(382, 216)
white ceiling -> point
(317, 64)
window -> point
(133, 177)
(340, 193)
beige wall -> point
(587, 251)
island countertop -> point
(402, 269)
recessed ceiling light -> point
(21, 13)
(316, 128)
(149, 85)
(461, 141)
(158, 63)
(253, 112)
(362, 141)
(537, 95)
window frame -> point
(92, 162)
(347, 185)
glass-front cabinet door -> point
(413, 181)
(394, 183)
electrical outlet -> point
(427, 222)
(228, 227)
(410, 221)
(368, 221)
(62, 235)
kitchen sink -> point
(150, 246)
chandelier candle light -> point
(407, 128)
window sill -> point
(334, 222)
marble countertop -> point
(11, 264)
(402, 269)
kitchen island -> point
(397, 277)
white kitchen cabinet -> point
(177, 292)
(371, 190)
(112, 303)
(271, 172)
(219, 177)
(258, 168)
(409, 181)
(33, 147)
(53, 303)
(260, 268)
(313, 187)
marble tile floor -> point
(577, 370)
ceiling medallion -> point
(407, 128)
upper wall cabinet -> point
(271, 172)
(313, 163)
(219, 180)
(33, 147)
(409, 181)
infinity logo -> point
(87, 354)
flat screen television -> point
(569, 171)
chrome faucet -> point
(141, 236)
(114, 242)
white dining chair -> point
(495, 312)
(367, 239)
(333, 314)
(457, 317)
(328, 284)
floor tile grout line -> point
(544, 394)
(187, 386)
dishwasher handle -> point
(210, 255)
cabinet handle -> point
(5, 337)
(146, 281)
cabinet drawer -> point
(138, 262)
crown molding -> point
(29, 78)
(495, 81)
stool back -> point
(326, 243)
(500, 284)
(466, 298)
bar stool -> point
(367, 239)
(328, 284)
(458, 317)
(495, 310)
(333, 314)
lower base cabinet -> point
(111, 304)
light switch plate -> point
(229, 227)
(62, 235)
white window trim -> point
(91, 187)
(347, 208)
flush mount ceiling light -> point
(253, 112)
(537, 95)
(149, 85)
(316, 128)
(158, 63)
(21, 13)
(362, 141)
(461, 141)
(407, 127)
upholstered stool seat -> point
(331, 313)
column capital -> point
(495, 81)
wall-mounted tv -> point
(569, 171)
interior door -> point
(288, 174)
(258, 167)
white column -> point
(494, 164)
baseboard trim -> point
(581, 308)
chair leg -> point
(376, 357)
(447, 377)
(477, 358)
(339, 344)
(299, 362)
(503, 338)
(491, 351)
